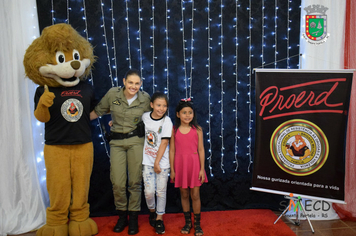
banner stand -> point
(299, 202)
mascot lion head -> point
(59, 57)
(299, 142)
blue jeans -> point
(155, 185)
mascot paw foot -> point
(84, 228)
(59, 230)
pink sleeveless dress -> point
(186, 160)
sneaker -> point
(159, 227)
(152, 219)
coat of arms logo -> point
(316, 24)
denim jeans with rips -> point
(155, 186)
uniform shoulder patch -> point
(116, 102)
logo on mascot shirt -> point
(72, 110)
(299, 147)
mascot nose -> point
(75, 65)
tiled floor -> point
(321, 228)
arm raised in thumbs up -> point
(46, 100)
(47, 97)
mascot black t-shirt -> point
(70, 120)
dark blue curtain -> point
(255, 34)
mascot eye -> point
(76, 55)
(60, 57)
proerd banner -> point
(301, 120)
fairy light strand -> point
(209, 91)
(283, 59)
(275, 32)
(92, 82)
(68, 10)
(167, 52)
(106, 42)
(288, 29)
(113, 40)
(236, 85)
(153, 47)
(191, 52)
(85, 21)
(249, 86)
(184, 49)
(128, 33)
(87, 36)
(263, 33)
(52, 13)
(222, 81)
(140, 39)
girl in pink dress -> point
(187, 158)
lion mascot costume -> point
(59, 61)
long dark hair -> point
(180, 106)
(159, 94)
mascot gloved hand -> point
(59, 61)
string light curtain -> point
(202, 49)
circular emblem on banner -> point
(72, 110)
(299, 147)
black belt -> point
(115, 135)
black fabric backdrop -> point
(227, 188)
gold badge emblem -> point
(299, 147)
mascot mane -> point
(42, 52)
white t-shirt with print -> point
(155, 131)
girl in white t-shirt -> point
(156, 166)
